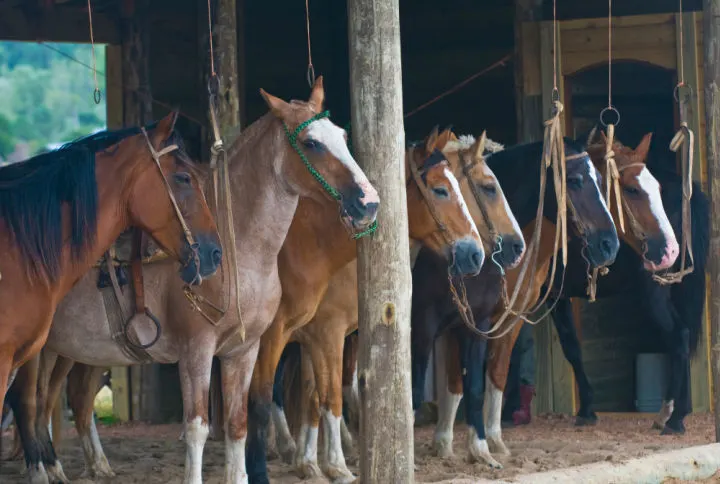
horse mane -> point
(33, 192)
(465, 141)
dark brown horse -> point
(60, 211)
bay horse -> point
(643, 209)
(435, 314)
(438, 218)
(676, 310)
(337, 315)
(291, 152)
(60, 211)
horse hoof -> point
(670, 429)
(308, 469)
(288, 453)
(497, 446)
(443, 447)
(339, 473)
(658, 426)
(56, 475)
(582, 421)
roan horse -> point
(60, 211)
(677, 309)
(437, 217)
(322, 339)
(274, 162)
(641, 206)
(435, 312)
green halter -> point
(292, 139)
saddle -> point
(122, 266)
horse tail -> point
(689, 295)
(292, 387)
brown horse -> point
(60, 211)
(274, 162)
(646, 227)
(322, 339)
(312, 254)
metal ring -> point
(609, 109)
(687, 88)
(97, 95)
(158, 332)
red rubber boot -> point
(522, 416)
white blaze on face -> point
(333, 137)
(455, 186)
(650, 185)
(592, 171)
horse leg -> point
(451, 392)
(46, 401)
(565, 326)
(335, 465)
(306, 460)
(679, 388)
(82, 387)
(473, 352)
(284, 441)
(22, 397)
(236, 374)
(195, 370)
(499, 352)
(351, 396)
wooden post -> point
(384, 279)
(528, 95)
(711, 46)
(225, 48)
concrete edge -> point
(699, 462)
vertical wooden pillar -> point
(711, 46)
(528, 95)
(225, 48)
(384, 280)
(137, 111)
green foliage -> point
(47, 98)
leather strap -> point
(137, 272)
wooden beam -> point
(64, 25)
(528, 98)
(711, 44)
(386, 417)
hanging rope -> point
(310, 68)
(97, 95)
(684, 139)
(612, 174)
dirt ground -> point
(153, 455)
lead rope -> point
(685, 139)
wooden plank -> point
(577, 61)
(657, 36)
(62, 25)
(544, 378)
(711, 54)
(528, 82)
(531, 83)
(386, 417)
(625, 21)
(563, 380)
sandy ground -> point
(153, 455)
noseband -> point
(193, 256)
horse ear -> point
(277, 106)
(643, 148)
(431, 140)
(443, 139)
(479, 147)
(164, 128)
(317, 96)
(591, 136)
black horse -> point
(675, 310)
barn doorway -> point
(612, 330)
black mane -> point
(32, 194)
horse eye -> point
(441, 192)
(314, 145)
(575, 181)
(630, 190)
(489, 189)
(182, 178)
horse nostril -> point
(216, 257)
(607, 246)
(371, 209)
(518, 248)
(476, 259)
